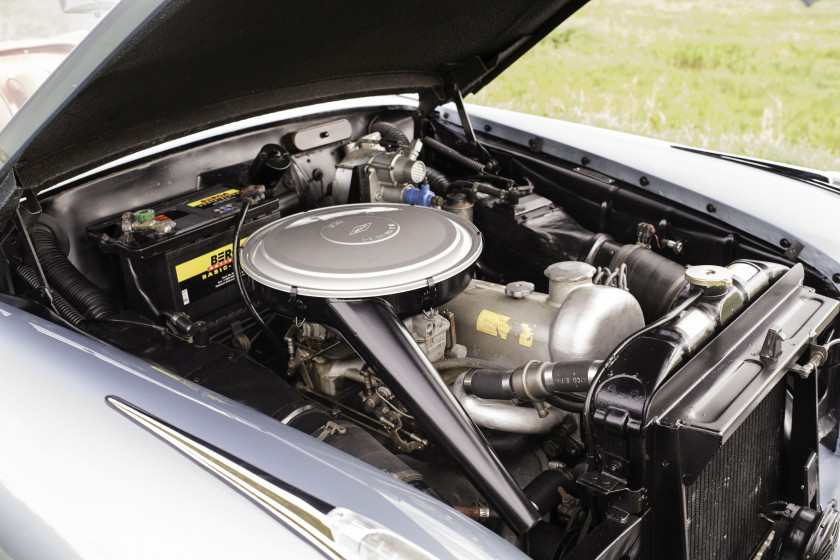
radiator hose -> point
(535, 381)
(66, 279)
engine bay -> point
(577, 364)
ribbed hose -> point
(67, 311)
(454, 155)
(438, 182)
(66, 279)
(389, 131)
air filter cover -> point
(361, 250)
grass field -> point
(754, 77)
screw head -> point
(644, 181)
(710, 208)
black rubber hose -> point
(438, 182)
(508, 443)
(62, 306)
(65, 278)
(454, 155)
(533, 381)
(453, 363)
(543, 490)
(389, 131)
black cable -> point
(152, 307)
(278, 344)
(565, 404)
(138, 324)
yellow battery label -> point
(211, 200)
(492, 323)
(208, 263)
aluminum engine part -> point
(576, 320)
(429, 333)
(330, 371)
(330, 376)
(504, 416)
(384, 176)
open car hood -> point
(164, 70)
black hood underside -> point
(198, 64)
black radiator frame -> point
(703, 405)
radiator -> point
(723, 503)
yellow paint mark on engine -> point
(526, 337)
(492, 323)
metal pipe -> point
(504, 416)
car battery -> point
(179, 254)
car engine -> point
(586, 369)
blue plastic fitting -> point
(419, 197)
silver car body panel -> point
(80, 479)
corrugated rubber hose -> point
(67, 311)
(65, 278)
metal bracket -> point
(297, 307)
(794, 249)
(771, 349)
(429, 297)
(329, 429)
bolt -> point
(487, 128)
(446, 115)
(710, 208)
(836, 277)
(644, 181)
(784, 242)
(584, 161)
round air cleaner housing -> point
(413, 257)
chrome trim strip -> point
(304, 514)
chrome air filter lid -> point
(361, 250)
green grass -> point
(754, 77)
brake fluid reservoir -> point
(577, 319)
